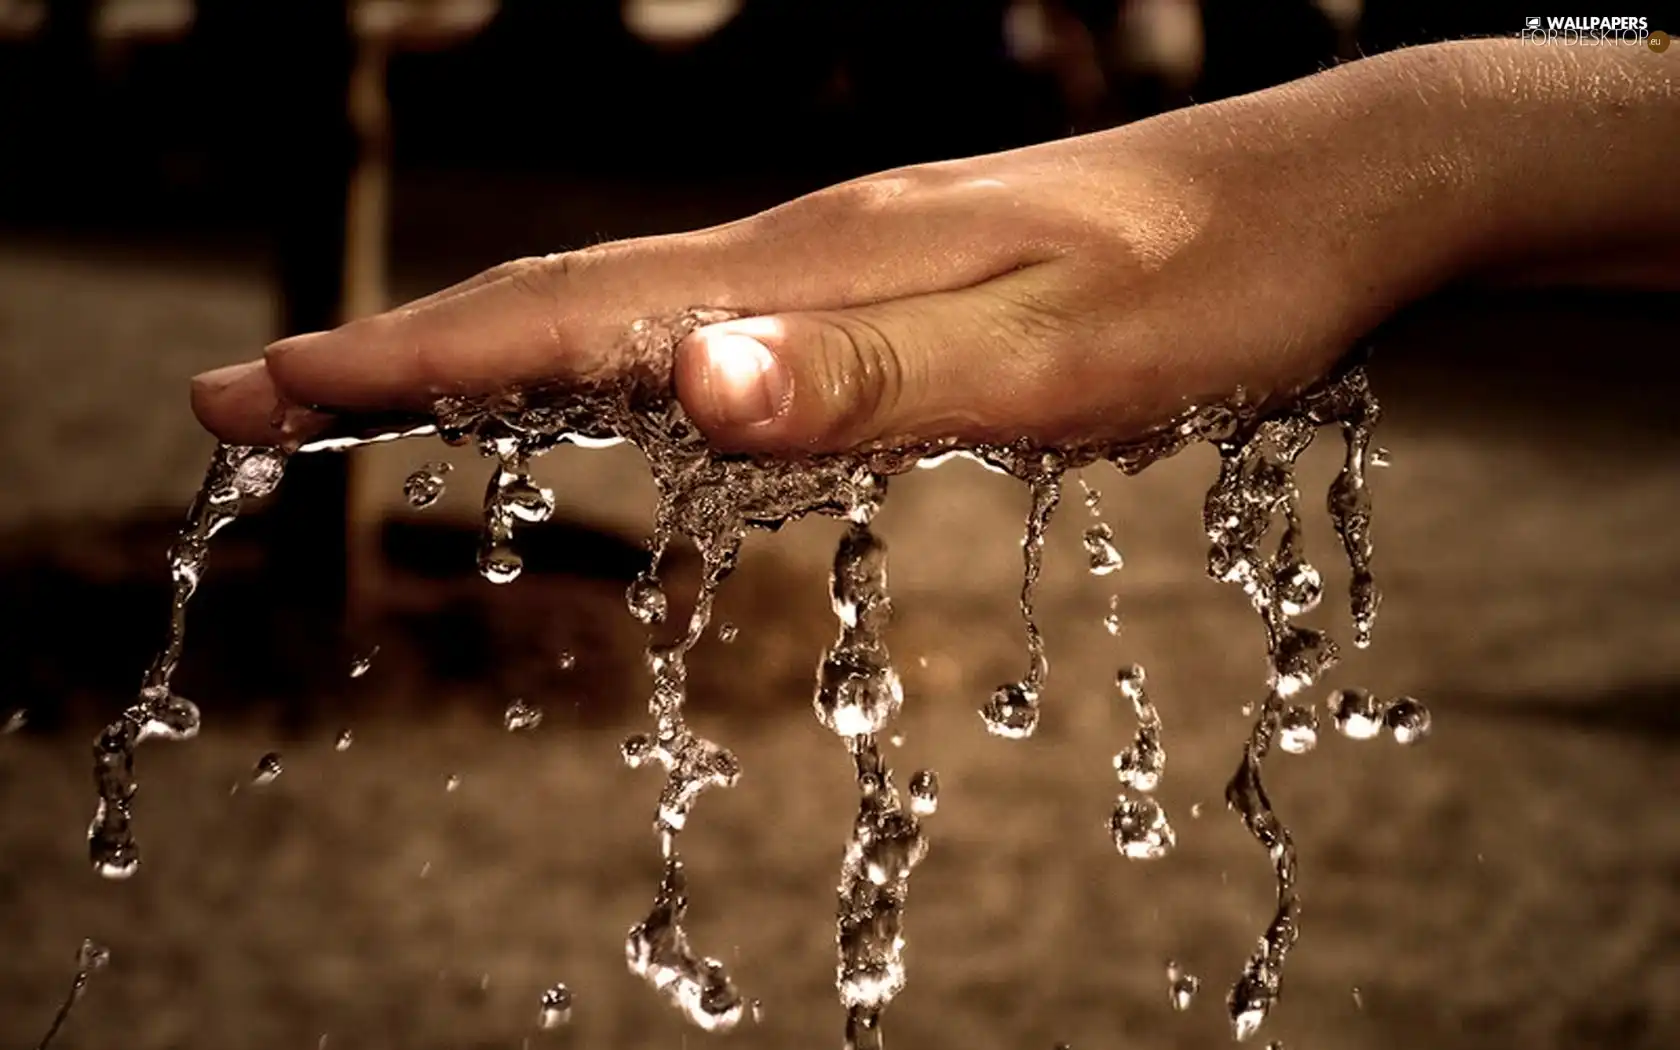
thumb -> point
(968, 364)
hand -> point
(1087, 288)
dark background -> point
(173, 196)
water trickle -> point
(267, 770)
(91, 957)
(236, 473)
(713, 500)
(425, 486)
(1182, 987)
(556, 1008)
(521, 716)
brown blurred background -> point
(181, 182)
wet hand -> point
(1087, 288)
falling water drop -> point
(727, 632)
(344, 740)
(359, 666)
(14, 722)
(646, 600)
(566, 660)
(1297, 729)
(267, 769)
(1408, 719)
(1299, 589)
(556, 1008)
(1012, 712)
(1100, 550)
(452, 783)
(426, 485)
(1356, 713)
(1182, 987)
(1380, 457)
(1140, 829)
(521, 716)
(924, 792)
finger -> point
(562, 316)
(241, 405)
(991, 362)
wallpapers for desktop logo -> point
(1596, 29)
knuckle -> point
(864, 376)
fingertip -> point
(238, 403)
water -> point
(360, 665)
(91, 957)
(556, 1008)
(267, 770)
(1182, 987)
(520, 717)
(1253, 523)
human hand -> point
(1087, 288)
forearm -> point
(1491, 158)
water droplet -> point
(344, 740)
(14, 722)
(1131, 681)
(1356, 714)
(857, 694)
(452, 782)
(757, 1012)
(527, 501)
(1408, 719)
(92, 957)
(1298, 729)
(359, 666)
(896, 740)
(727, 632)
(426, 485)
(646, 600)
(175, 718)
(426, 870)
(924, 792)
(1275, 1044)
(566, 661)
(637, 749)
(1140, 829)
(1245, 1022)
(1139, 767)
(1100, 549)
(1012, 712)
(1111, 624)
(1380, 457)
(499, 563)
(556, 1007)
(1195, 811)
(267, 769)
(521, 716)
(1181, 987)
(1358, 998)
(1299, 589)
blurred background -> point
(182, 182)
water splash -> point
(713, 500)
(91, 957)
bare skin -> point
(1086, 288)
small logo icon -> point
(1531, 23)
(1657, 41)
